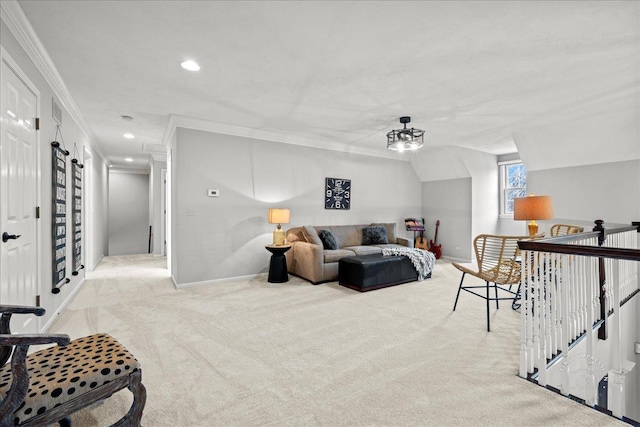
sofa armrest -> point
(307, 261)
(404, 242)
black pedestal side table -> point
(278, 264)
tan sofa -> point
(308, 258)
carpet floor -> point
(253, 353)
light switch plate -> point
(213, 193)
(191, 212)
(638, 348)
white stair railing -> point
(564, 324)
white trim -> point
(64, 305)
(18, 24)
(176, 121)
(459, 260)
(509, 162)
(98, 262)
(132, 170)
(214, 281)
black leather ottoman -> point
(369, 272)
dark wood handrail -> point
(595, 251)
(559, 245)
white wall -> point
(484, 172)
(72, 133)
(607, 191)
(450, 201)
(128, 213)
(100, 211)
(155, 208)
(225, 236)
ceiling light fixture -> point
(405, 139)
(128, 159)
(128, 135)
(190, 65)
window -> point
(513, 183)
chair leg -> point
(495, 287)
(459, 288)
(132, 418)
(488, 321)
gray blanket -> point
(422, 260)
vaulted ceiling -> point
(339, 74)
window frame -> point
(502, 184)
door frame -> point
(87, 209)
(163, 211)
(13, 65)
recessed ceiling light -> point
(128, 159)
(128, 135)
(190, 65)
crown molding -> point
(176, 121)
(18, 24)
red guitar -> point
(433, 246)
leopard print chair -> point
(49, 385)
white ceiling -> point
(469, 73)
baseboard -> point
(95, 265)
(215, 281)
(460, 260)
(62, 307)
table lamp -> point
(531, 208)
(278, 216)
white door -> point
(18, 197)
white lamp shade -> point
(278, 216)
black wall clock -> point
(337, 193)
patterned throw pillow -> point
(374, 236)
(328, 240)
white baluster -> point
(616, 375)
(591, 384)
(523, 315)
(564, 291)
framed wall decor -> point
(337, 193)
(76, 210)
(59, 213)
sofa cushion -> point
(389, 245)
(311, 235)
(391, 230)
(346, 235)
(364, 250)
(328, 241)
(336, 255)
(376, 235)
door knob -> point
(6, 237)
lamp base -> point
(278, 236)
(533, 228)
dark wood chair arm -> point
(20, 309)
(33, 339)
(19, 372)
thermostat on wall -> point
(213, 193)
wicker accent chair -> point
(562, 229)
(497, 259)
(49, 385)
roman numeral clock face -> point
(337, 193)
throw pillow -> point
(374, 236)
(328, 241)
(311, 235)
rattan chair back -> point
(562, 229)
(497, 258)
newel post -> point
(603, 331)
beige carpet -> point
(252, 353)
